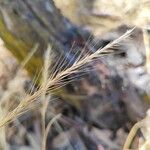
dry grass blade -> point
(50, 124)
(3, 143)
(131, 135)
(147, 47)
(27, 59)
(23, 105)
(45, 99)
(143, 123)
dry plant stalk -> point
(54, 119)
(45, 99)
(147, 47)
(3, 143)
(133, 132)
(57, 79)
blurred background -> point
(97, 110)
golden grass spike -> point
(26, 102)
